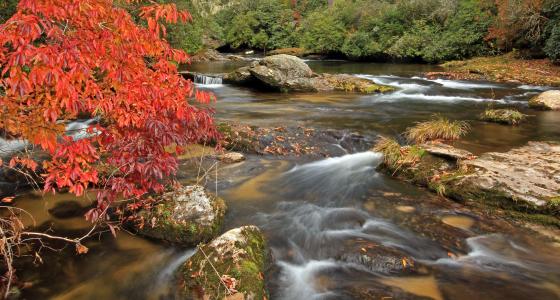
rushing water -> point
(321, 216)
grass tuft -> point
(440, 128)
(395, 156)
(503, 116)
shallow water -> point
(320, 217)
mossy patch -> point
(161, 222)
(231, 264)
(503, 116)
(451, 179)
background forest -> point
(409, 30)
(405, 30)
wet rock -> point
(444, 150)
(379, 259)
(231, 157)
(549, 100)
(299, 52)
(290, 140)
(187, 216)
(290, 74)
(231, 266)
(241, 76)
(67, 209)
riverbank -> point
(504, 68)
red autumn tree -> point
(63, 58)
(517, 21)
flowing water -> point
(326, 219)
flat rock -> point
(530, 173)
(447, 151)
(549, 100)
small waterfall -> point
(207, 80)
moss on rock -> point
(230, 266)
(186, 216)
(503, 116)
(479, 181)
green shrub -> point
(552, 48)
(7, 9)
(323, 33)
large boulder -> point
(549, 100)
(186, 216)
(290, 74)
(231, 266)
(279, 70)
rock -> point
(529, 175)
(237, 259)
(290, 74)
(187, 216)
(526, 179)
(207, 55)
(278, 71)
(447, 151)
(241, 76)
(68, 209)
(231, 157)
(379, 259)
(549, 100)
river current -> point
(320, 216)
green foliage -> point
(552, 48)
(322, 33)
(7, 9)
(409, 30)
(262, 24)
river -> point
(318, 216)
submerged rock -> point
(379, 259)
(68, 209)
(231, 157)
(231, 266)
(290, 74)
(187, 216)
(549, 100)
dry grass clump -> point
(395, 156)
(440, 128)
(503, 116)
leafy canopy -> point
(64, 58)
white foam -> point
(298, 280)
(462, 85)
(435, 98)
